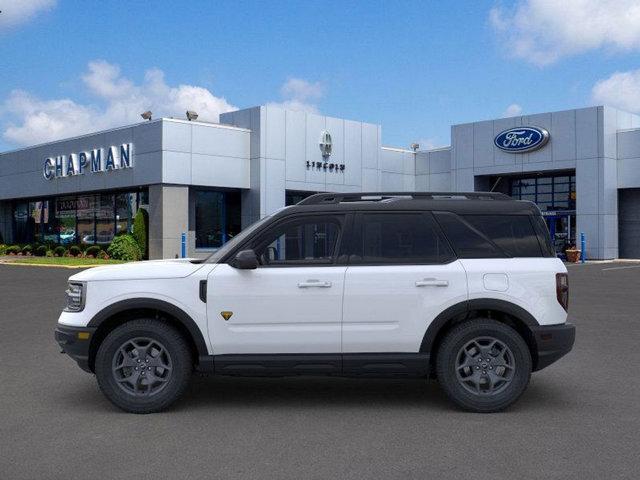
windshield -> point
(231, 244)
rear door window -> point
(398, 238)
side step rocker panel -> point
(346, 365)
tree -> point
(140, 228)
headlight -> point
(75, 297)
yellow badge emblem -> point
(226, 315)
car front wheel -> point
(483, 365)
(143, 366)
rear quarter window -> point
(492, 236)
(544, 237)
(466, 240)
(514, 234)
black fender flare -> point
(154, 304)
(461, 310)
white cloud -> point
(298, 94)
(543, 31)
(512, 110)
(299, 89)
(44, 120)
(15, 12)
(104, 79)
(621, 90)
(27, 119)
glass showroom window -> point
(20, 215)
(549, 193)
(66, 217)
(217, 217)
(49, 222)
(89, 219)
(86, 218)
(105, 224)
(38, 216)
(125, 212)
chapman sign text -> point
(96, 160)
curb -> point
(26, 264)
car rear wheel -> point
(143, 366)
(483, 365)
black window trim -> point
(341, 218)
(356, 222)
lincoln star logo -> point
(325, 143)
(325, 165)
(521, 139)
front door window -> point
(300, 242)
(217, 217)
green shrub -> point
(140, 228)
(3, 249)
(124, 247)
(93, 250)
(41, 251)
(59, 251)
(49, 253)
(27, 249)
(75, 250)
(12, 250)
(103, 255)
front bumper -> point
(75, 342)
(552, 343)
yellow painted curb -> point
(26, 264)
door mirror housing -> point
(246, 260)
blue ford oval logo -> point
(521, 139)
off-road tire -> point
(448, 363)
(177, 377)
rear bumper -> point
(75, 345)
(552, 343)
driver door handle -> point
(314, 283)
(432, 282)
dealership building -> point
(208, 181)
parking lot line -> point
(620, 268)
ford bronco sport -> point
(464, 287)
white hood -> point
(153, 269)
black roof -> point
(456, 202)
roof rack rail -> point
(325, 198)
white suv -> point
(463, 286)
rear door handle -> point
(432, 282)
(314, 283)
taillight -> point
(562, 290)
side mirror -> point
(246, 260)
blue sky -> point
(414, 67)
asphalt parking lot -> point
(580, 418)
